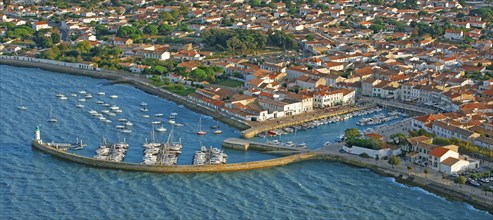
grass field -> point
(182, 92)
(229, 83)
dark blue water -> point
(37, 186)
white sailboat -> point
(199, 129)
(51, 118)
(217, 131)
(21, 106)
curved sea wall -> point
(172, 169)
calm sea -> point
(34, 185)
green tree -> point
(461, 180)
(409, 169)
(166, 16)
(55, 38)
(151, 29)
(84, 46)
(398, 138)
(393, 160)
(351, 133)
(129, 31)
(165, 29)
(309, 37)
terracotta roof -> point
(439, 152)
(450, 161)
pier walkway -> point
(259, 127)
(242, 144)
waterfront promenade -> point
(259, 127)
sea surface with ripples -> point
(34, 185)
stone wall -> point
(172, 169)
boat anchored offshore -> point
(199, 129)
(51, 117)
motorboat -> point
(99, 102)
(106, 104)
(172, 121)
(156, 122)
(113, 96)
(79, 105)
(144, 109)
(179, 124)
(122, 120)
(114, 107)
(82, 100)
(59, 95)
(88, 96)
(158, 115)
(101, 93)
(126, 131)
(63, 97)
(73, 95)
(145, 116)
(218, 131)
(120, 127)
(161, 129)
(82, 92)
(143, 104)
(129, 124)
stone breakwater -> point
(172, 169)
(430, 185)
(137, 80)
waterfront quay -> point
(432, 181)
(259, 127)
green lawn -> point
(182, 92)
(229, 83)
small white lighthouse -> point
(37, 133)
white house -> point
(453, 35)
(40, 25)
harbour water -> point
(37, 186)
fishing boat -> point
(199, 129)
(51, 117)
